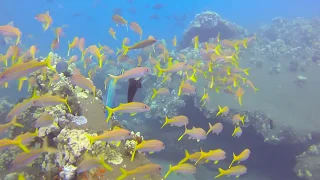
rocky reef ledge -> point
(207, 25)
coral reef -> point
(308, 163)
(207, 25)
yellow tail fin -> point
(165, 123)
(124, 174)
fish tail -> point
(180, 88)
(245, 41)
(159, 69)
(234, 158)
(246, 71)
(240, 100)
(105, 165)
(125, 50)
(169, 171)
(220, 111)
(66, 103)
(165, 123)
(91, 138)
(201, 156)
(154, 93)
(35, 132)
(110, 112)
(124, 174)
(222, 173)
(234, 131)
(21, 80)
(48, 63)
(18, 39)
(100, 61)
(210, 126)
(115, 78)
(69, 47)
(134, 153)
(14, 122)
(185, 131)
(22, 146)
(242, 119)
(187, 155)
(217, 50)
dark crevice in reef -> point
(274, 161)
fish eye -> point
(145, 107)
(160, 168)
(147, 70)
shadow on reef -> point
(275, 160)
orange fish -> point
(136, 28)
(125, 41)
(216, 128)
(149, 146)
(58, 32)
(186, 88)
(161, 91)
(10, 30)
(174, 41)
(79, 80)
(194, 133)
(132, 108)
(32, 51)
(73, 59)
(81, 46)
(45, 19)
(112, 33)
(142, 44)
(147, 170)
(54, 44)
(137, 72)
(239, 94)
(94, 50)
(119, 20)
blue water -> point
(94, 21)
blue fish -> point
(110, 93)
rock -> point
(207, 25)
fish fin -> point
(165, 123)
(14, 122)
(48, 63)
(110, 112)
(90, 138)
(201, 156)
(154, 93)
(222, 173)
(66, 103)
(169, 171)
(216, 162)
(134, 153)
(234, 159)
(159, 69)
(133, 114)
(115, 78)
(22, 146)
(124, 174)
(21, 80)
(185, 131)
(104, 164)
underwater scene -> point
(159, 89)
